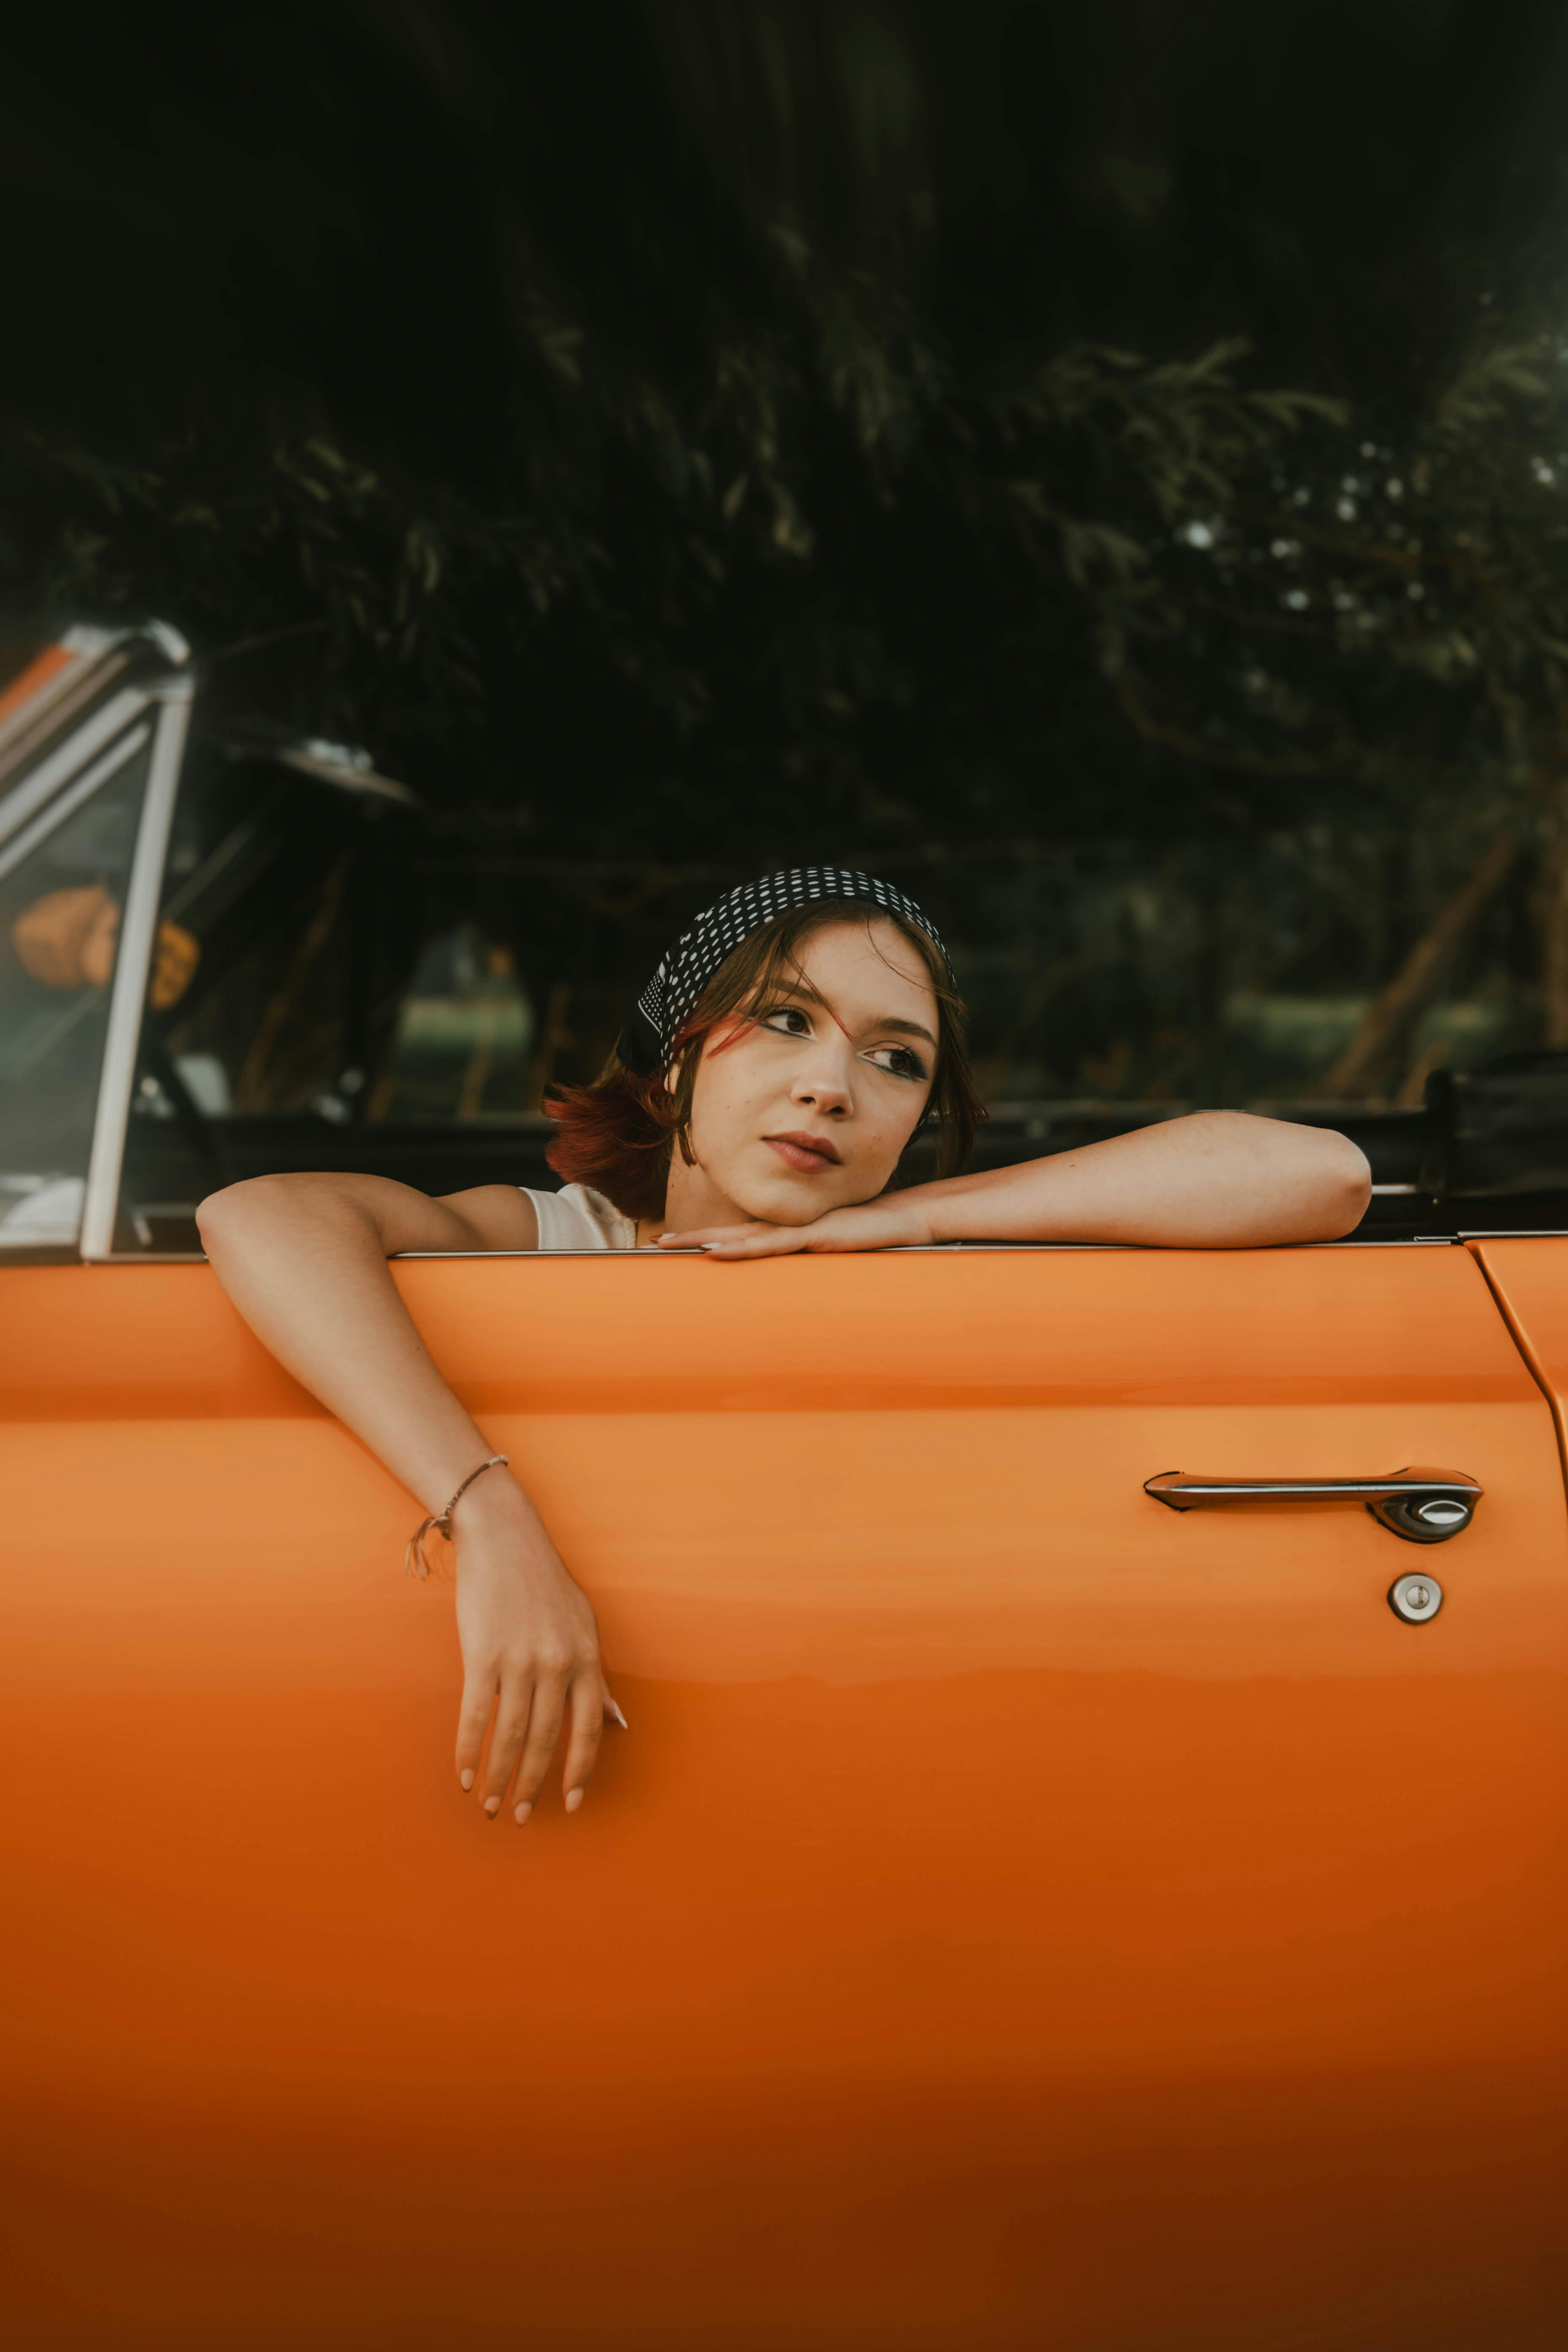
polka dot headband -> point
(649, 1039)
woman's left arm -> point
(1215, 1180)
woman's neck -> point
(692, 1200)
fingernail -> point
(614, 1712)
(467, 1778)
(573, 1798)
(492, 1806)
(523, 1810)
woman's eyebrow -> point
(803, 988)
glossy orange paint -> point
(1018, 1916)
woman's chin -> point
(766, 1205)
(789, 1200)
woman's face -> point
(807, 1107)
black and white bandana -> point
(649, 1039)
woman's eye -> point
(788, 1018)
(899, 1060)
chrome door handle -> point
(1422, 1506)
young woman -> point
(784, 1053)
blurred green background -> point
(1105, 467)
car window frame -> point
(61, 779)
(173, 697)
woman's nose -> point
(824, 1089)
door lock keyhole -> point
(1416, 1599)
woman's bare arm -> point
(1216, 1180)
(304, 1260)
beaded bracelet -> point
(413, 1560)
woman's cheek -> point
(868, 1171)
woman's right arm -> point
(304, 1260)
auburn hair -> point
(620, 1134)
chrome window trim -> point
(143, 1257)
(137, 930)
(925, 1249)
(405, 1257)
(66, 803)
(1513, 1232)
(24, 803)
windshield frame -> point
(60, 773)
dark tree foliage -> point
(678, 434)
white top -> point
(578, 1218)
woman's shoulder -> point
(578, 1218)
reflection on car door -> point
(1020, 1914)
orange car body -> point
(1018, 1916)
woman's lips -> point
(807, 1154)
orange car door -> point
(1019, 1914)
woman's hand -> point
(892, 1223)
(531, 1653)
